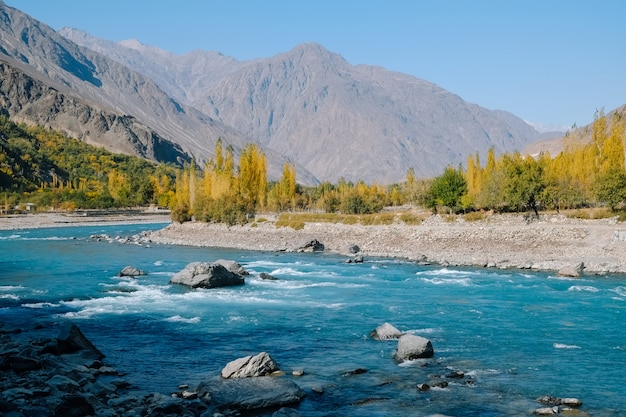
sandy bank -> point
(99, 218)
(501, 241)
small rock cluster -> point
(567, 406)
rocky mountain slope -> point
(336, 119)
(309, 106)
(106, 86)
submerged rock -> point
(413, 347)
(267, 277)
(71, 340)
(251, 393)
(207, 275)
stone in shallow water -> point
(250, 366)
(385, 331)
(251, 393)
(413, 347)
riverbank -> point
(82, 218)
(552, 242)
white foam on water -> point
(180, 319)
(14, 236)
(465, 282)
(266, 263)
(284, 284)
(11, 287)
(583, 288)
(241, 319)
(562, 278)
(9, 297)
(448, 272)
(158, 263)
(428, 330)
(621, 291)
(295, 272)
(40, 305)
(412, 363)
(564, 346)
(482, 372)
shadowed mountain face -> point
(308, 106)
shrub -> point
(411, 219)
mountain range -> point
(307, 106)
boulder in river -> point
(313, 245)
(412, 347)
(131, 271)
(385, 331)
(232, 266)
(71, 340)
(250, 366)
(267, 277)
(572, 271)
(207, 275)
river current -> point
(516, 335)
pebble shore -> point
(549, 243)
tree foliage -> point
(49, 169)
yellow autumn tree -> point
(283, 194)
(252, 178)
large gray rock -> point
(251, 393)
(250, 366)
(131, 271)
(412, 347)
(232, 266)
(571, 271)
(310, 246)
(385, 331)
(206, 275)
(72, 340)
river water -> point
(516, 335)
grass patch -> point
(590, 213)
(411, 219)
(286, 219)
(475, 216)
(261, 220)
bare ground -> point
(551, 242)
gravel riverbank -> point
(552, 242)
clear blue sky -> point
(552, 62)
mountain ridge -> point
(111, 86)
(333, 120)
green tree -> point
(524, 183)
(610, 187)
(447, 190)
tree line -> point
(49, 169)
(584, 174)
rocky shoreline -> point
(547, 243)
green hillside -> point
(49, 169)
